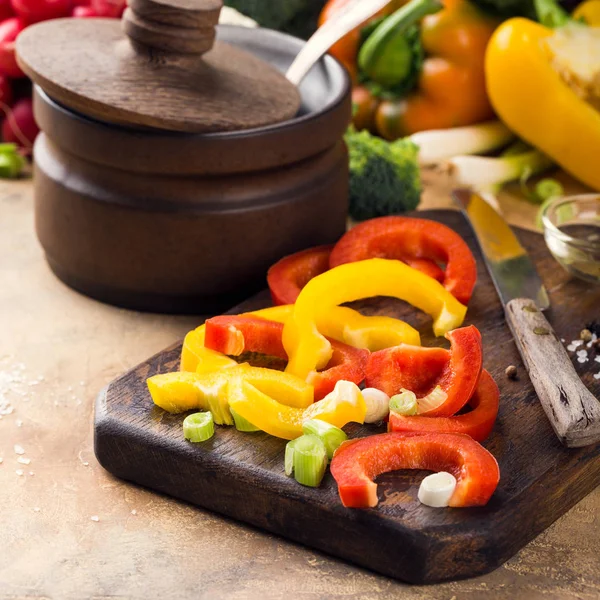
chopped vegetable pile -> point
(341, 367)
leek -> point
(438, 145)
(306, 458)
(404, 403)
(434, 399)
(199, 427)
(242, 424)
(330, 435)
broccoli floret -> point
(298, 17)
(384, 176)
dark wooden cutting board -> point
(242, 476)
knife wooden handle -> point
(572, 409)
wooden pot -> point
(175, 222)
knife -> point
(571, 408)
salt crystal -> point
(24, 461)
(41, 378)
(18, 449)
(597, 359)
(574, 345)
(582, 353)
(95, 518)
(82, 382)
(19, 472)
(1, 460)
(19, 423)
(562, 340)
(86, 464)
(582, 359)
(31, 473)
(70, 388)
(134, 512)
(36, 509)
(597, 375)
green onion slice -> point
(199, 427)
(289, 458)
(330, 435)
(308, 457)
(404, 403)
(242, 424)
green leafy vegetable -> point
(384, 176)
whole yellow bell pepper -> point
(340, 323)
(309, 350)
(342, 406)
(589, 12)
(182, 391)
(530, 96)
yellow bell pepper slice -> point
(182, 391)
(529, 95)
(340, 323)
(342, 406)
(308, 350)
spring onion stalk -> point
(242, 424)
(199, 427)
(435, 398)
(438, 145)
(378, 405)
(489, 174)
(404, 403)
(306, 458)
(330, 435)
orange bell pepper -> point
(451, 88)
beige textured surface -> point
(167, 549)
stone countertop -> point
(69, 530)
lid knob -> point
(172, 26)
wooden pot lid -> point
(167, 72)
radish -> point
(6, 93)
(9, 30)
(6, 10)
(109, 8)
(84, 12)
(33, 11)
(19, 126)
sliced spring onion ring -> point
(242, 424)
(405, 403)
(434, 399)
(330, 435)
(306, 457)
(199, 427)
(437, 489)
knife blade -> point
(573, 411)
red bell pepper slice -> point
(426, 266)
(289, 275)
(233, 335)
(421, 370)
(477, 423)
(406, 238)
(357, 462)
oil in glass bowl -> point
(572, 233)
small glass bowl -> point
(572, 233)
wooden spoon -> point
(350, 17)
